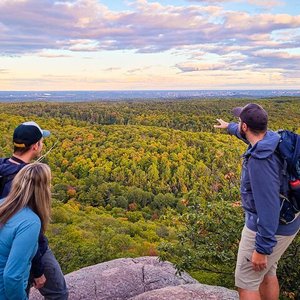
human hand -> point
(39, 282)
(222, 124)
(259, 261)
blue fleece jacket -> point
(261, 183)
(18, 245)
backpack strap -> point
(296, 156)
(285, 179)
(284, 183)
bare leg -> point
(249, 295)
(269, 288)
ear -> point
(244, 126)
(35, 146)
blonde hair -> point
(31, 188)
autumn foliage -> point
(146, 178)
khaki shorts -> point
(245, 277)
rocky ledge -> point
(143, 278)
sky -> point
(149, 45)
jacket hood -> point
(265, 147)
(8, 168)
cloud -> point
(88, 26)
(214, 1)
(266, 3)
(283, 60)
(261, 3)
(277, 54)
(239, 22)
(292, 74)
(266, 60)
(241, 39)
(82, 45)
(196, 67)
(52, 55)
(138, 70)
(112, 69)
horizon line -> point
(151, 90)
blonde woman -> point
(23, 214)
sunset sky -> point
(145, 44)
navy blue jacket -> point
(261, 183)
(10, 169)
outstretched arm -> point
(232, 128)
(222, 124)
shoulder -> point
(2, 160)
(26, 218)
(265, 148)
(30, 214)
(9, 168)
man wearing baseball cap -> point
(264, 239)
(46, 274)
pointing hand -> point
(222, 124)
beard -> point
(243, 135)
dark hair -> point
(256, 131)
(21, 150)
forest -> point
(137, 178)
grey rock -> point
(121, 279)
(189, 292)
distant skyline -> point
(149, 45)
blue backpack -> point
(289, 150)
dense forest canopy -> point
(148, 178)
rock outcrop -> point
(189, 292)
(137, 279)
